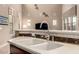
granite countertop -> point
(51, 31)
(66, 48)
(60, 33)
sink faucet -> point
(47, 32)
(48, 36)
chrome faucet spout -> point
(48, 36)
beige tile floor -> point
(5, 49)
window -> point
(74, 23)
(70, 23)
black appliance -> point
(44, 26)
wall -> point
(4, 10)
(54, 12)
(4, 34)
(4, 29)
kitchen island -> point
(58, 35)
(30, 45)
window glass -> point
(70, 23)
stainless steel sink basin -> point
(47, 46)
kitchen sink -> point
(47, 46)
